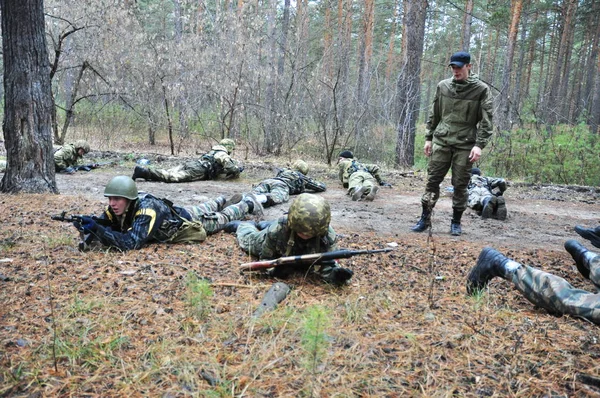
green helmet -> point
(228, 143)
(83, 145)
(310, 215)
(122, 186)
(301, 166)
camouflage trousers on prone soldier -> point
(189, 171)
(276, 189)
(361, 178)
(556, 295)
(214, 216)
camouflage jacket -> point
(220, 164)
(349, 166)
(66, 156)
(461, 114)
(277, 242)
(148, 219)
(298, 182)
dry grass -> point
(114, 325)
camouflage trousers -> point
(556, 295)
(251, 240)
(476, 197)
(361, 178)
(276, 189)
(187, 172)
(442, 159)
(214, 216)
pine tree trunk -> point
(28, 99)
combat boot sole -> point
(358, 193)
(501, 209)
(490, 206)
(371, 196)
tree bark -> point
(27, 99)
(466, 30)
(409, 81)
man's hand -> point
(427, 148)
(475, 154)
(88, 224)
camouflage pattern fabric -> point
(215, 164)
(441, 160)
(274, 242)
(195, 170)
(480, 188)
(277, 190)
(66, 156)
(347, 167)
(556, 295)
(361, 178)
(214, 217)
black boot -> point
(489, 207)
(424, 222)
(234, 199)
(578, 252)
(500, 213)
(455, 228)
(490, 264)
(140, 172)
(593, 235)
(254, 206)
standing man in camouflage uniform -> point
(67, 157)
(288, 181)
(132, 219)
(485, 195)
(458, 128)
(305, 230)
(362, 180)
(545, 290)
(215, 164)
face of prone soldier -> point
(118, 204)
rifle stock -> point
(308, 258)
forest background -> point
(314, 77)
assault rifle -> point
(78, 218)
(308, 258)
(91, 166)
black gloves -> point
(86, 224)
(385, 184)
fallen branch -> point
(588, 379)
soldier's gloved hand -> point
(241, 168)
(69, 170)
(385, 184)
(499, 193)
(88, 224)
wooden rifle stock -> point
(308, 258)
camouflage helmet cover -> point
(301, 166)
(122, 186)
(309, 215)
(228, 143)
(83, 145)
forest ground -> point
(403, 326)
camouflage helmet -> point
(122, 186)
(228, 143)
(83, 145)
(301, 166)
(309, 215)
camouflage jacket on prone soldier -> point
(148, 219)
(66, 156)
(277, 242)
(350, 166)
(298, 182)
(221, 164)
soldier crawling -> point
(305, 230)
(288, 181)
(66, 158)
(217, 163)
(485, 195)
(132, 219)
(360, 179)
